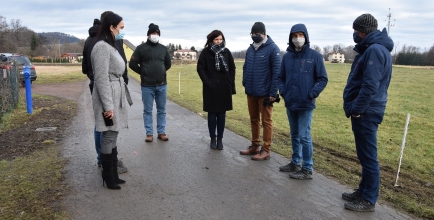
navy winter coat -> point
(261, 69)
(371, 71)
(302, 74)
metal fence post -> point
(28, 89)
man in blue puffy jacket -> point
(260, 72)
(302, 78)
(365, 97)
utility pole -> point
(389, 16)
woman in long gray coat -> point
(109, 95)
(216, 69)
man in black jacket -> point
(86, 68)
(151, 60)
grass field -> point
(334, 152)
(410, 91)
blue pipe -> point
(28, 90)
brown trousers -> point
(258, 111)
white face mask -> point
(154, 38)
(298, 42)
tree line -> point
(405, 55)
(16, 38)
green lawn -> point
(411, 91)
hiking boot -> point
(290, 168)
(149, 138)
(263, 155)
(360, 205)
(251, 150)
(351, 196)
(163, 137)
(302, 174)
(219, 144)
(213, 144)
(121, 167)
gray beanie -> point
(258, 27)
(365, 23)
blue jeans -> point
(159, 94)
(98, 138)
(365, 135)
(216, 119)
(302, 149)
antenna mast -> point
(389, 16)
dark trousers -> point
(216, 120)
(365, 135)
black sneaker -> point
(351, 196)
(302, 174)
(360, 205)
(290, 168)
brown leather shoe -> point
(149, 138)
(163, 137)
(251, 150)
(263, 155)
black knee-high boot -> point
(107, 172)
(115, 166)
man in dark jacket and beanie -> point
(260, 72)
(151, 60)
(86, 68)
(365, 97)
(302, 78)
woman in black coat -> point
(216, 69)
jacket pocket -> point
(307, 65)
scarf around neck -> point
(217, 49)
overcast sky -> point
(188, 23)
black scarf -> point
(217, 49)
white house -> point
(184, 54)
(336, 57)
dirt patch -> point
(48, 112)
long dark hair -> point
(105, 33)
(213, 35)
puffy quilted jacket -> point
(261, 69)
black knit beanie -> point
(153, 28)
(258, 27)
(365, 23)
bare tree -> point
(317, 48)
(326, 51)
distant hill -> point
(54, 37)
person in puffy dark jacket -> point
(216, 69)
(86, 68)
(151, 60)
(260, 72)
(365, 98)
(302, 78)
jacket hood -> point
(375, 37)
(294, 29)
(93, 31)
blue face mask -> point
(257, 38)
(357, 39)
(121, 35)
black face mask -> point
(357, 39)
(257, 38)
